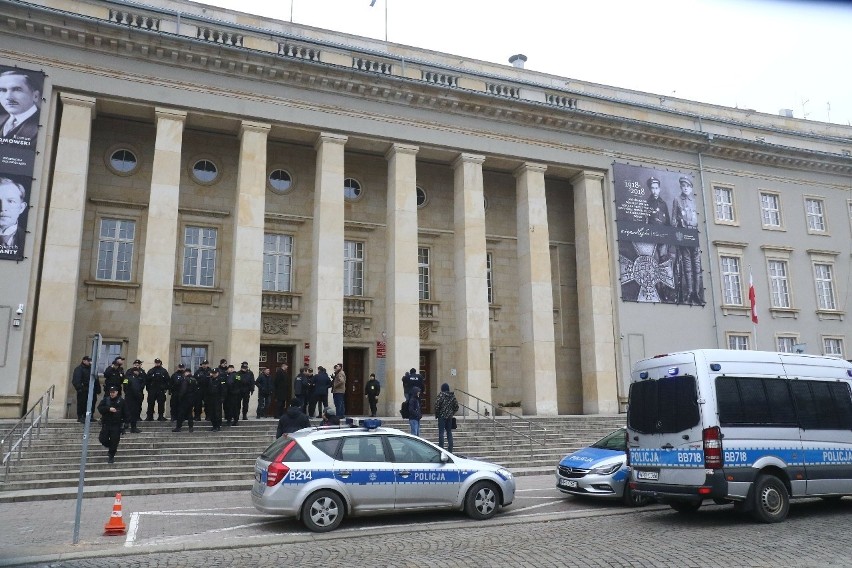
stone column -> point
(472, 326)
(326, 298)
(535, 310)
(594, 291)
(247, 273)
(52, 359)
(158, 262)
(402, 299)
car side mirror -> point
(445, 457)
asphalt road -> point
(542, 528)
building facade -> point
(207, 184)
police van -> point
(750, 428)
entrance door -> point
(272, 356)
(353, 366)
(428, 380)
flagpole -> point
(752, 299)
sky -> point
(764, 55)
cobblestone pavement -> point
(542, 528)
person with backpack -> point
(372, 390)
(446, 406)
(415, 413)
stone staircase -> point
(159, 461)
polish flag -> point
(752, 298)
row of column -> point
(61, 263)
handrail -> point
(10, 442)
(495, 423)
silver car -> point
(320, 475)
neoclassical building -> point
(208, 184)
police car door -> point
(365, 473)
(421, 479)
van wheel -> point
(685, 507)
(771, 500)
(631, 499)
(323, 511)
(481, 501)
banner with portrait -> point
(20, 99)
(657, 224)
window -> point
(815, 213)
(770, 210)
(754, 400)
(422, 198)
(362, 449)
(277, 262)
(353, 268)
(731, 281)
(122, 161)
(108, 352)
(664, 406)
(423, 273)
(724, 198)
(193, 355)
(115, 249)
(199, 256)
(205, 172)
(778, 284)
(832, 346)
(822, 405)
(352, 189)
(738, 341)
(280, 181)
(408, 450)
(786, 343)
(825, 287)
(489, 276)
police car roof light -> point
(643, 375)
(715, 367)
(673, 371)
(849, 372)
(370, 423)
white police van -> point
(749, 427)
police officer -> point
(113, 411)
(156, 383)
(80, 382)
(173, 384)
(202, 377)
(185, 392)
(246, 377)
(372, 390)
(134, 385)
(114, 373)
(299, 388)
(264, 389)
(233, 397)
(213, 403)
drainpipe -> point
(707, 238)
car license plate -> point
(648, 475)
(260, 475)
(567, 483)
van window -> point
(754, 400)
(663, 406)
(822, 405)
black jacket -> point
(292, 420)
(113, 376)
(157, 380)
(246, 381)
(116, 418)
(282, 385)
(134, 383)
(264, 384)
(80, 380)
(322, 382)
(373, 388)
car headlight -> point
(505, 474)
(607, 469)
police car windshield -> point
(274, 450)
(615, 441)
(663, 406)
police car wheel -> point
(771, 500)
(323, 511)
(481, 501)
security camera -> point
(20, 309)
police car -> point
(321, 475)
(599, 471)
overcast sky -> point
(765, 55)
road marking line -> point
(540, 505)
(178, 538)
(131, 531)
(541, 489)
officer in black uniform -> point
(264, 389)
(80, 382)
(113, 411)
(184, 392)
(156, 383)
(134, 385)
(213, 403)
(233, 396)
(114, 374)
(246, 377)
(173, 383)
(202, 377)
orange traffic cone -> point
(115, 525)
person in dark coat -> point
(185, 390)
(213, 403)
(299, 388)
(80, 382)
(372, 390)
(234, 397)
(202, 377)
(114, 374)
(113, 411)
(282, 388)
(308, 390)
(246, 378)
(264, 389)
(134, 385)
(415, 413)
(322, 382)
(173, 384)
(329, 417)
(293, 419)
(156, 383)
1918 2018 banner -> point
(657, 223)
(20, 99)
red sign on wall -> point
(381, 349)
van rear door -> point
(665, 423)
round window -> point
(280, 181)
(123, 161)
(352, 189)
(421, 197)
(205, 171)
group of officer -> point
(215, 392)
